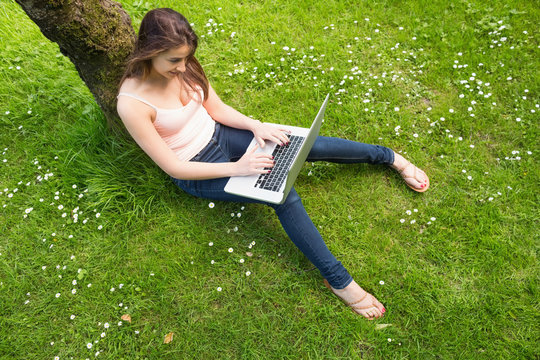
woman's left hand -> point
(273, 133)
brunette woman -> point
(173, 113)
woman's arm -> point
(225, 114)
(137, 118)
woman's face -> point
(171, 62)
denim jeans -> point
(229, 144)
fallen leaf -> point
(126, 317)
(381, 326)
(168, 338)
(249, 254)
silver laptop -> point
(275, 186)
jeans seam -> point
(344, 159)
(333, 158)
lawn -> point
(93, 231)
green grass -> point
(461, 286)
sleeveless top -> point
(186, 130)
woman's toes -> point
(378, 305)
(421, 177)
(366, 315)
(415, 183)
(369, 314)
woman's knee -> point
(292, 199)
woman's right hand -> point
(251, 163)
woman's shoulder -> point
(128, 106)
(130, 85)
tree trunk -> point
(96, 35)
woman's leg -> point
(347, 152)
(306, 237)
(294, 220)
(231, 143)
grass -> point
(459, 263)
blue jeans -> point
(229, 144)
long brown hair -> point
(161, 30)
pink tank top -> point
(186, 130)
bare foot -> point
(415, 178)
(360, 301)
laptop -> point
(275, 186)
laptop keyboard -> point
(283, 157)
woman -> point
(170, 109)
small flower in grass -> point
(106, 325)
(248, 273)
(112, 289)
(389, 340)
(89, 345)
(74, 291)
(100, 227)
(433, 218)
(219, 288)
(381, 282)
(210, 244)
(98, 215)
(72, 317)
(241, 261)
(402, 220)
(57, 358)
(231, 250)
(103, 334)
(211, 205)
(408, 212)
(57, 295)
(119, 323)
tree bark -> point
(96, 35)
